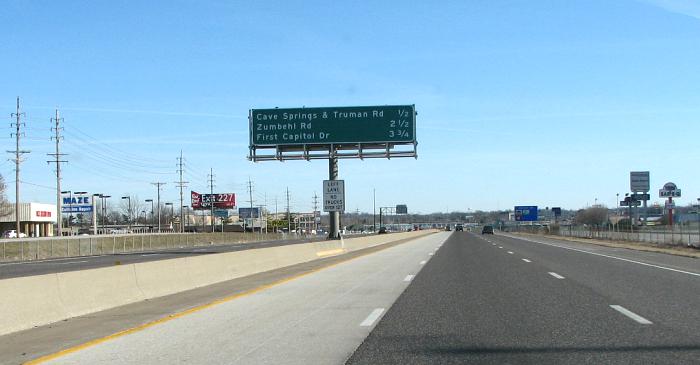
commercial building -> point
(36, 219)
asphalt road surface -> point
(49, 266)
(503, 300)
(439, 299)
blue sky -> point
(547, 103)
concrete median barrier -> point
(27, 302)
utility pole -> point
(374, 210)
(158, 185)
(250, 200)
(57, 160)
(18, 124)
(315, 209)
(181, 184)
(211, 191)
(289, 216)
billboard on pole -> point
(220, 201)
(639, 181)
(526, 213)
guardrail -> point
(46, 248)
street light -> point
(104, 209)
(144, 217)
(698, 212)
(182, 221)
(172, 212)
(151, 201)
(128, 211)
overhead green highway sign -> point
(333, 125)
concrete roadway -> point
(50, 266)
(499, 299)
(315, 318)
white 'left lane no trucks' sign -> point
(333, 195)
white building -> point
(36, 219)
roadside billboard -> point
(220, 201)
(526, 213)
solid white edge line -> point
(372, 317)
(409, 277)
(526, 260)
(72, 262)
(556, 275)
(611, 257)
(635, 317)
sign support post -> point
(335, 215)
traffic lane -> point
(475, 303)
(51, 266)
(655, 258)
(316, 318)
(666, 297)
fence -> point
(678, 236)
(45, 248)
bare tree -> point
(595, 216)
(5, 206)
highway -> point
(498, 299)
(444, 298)
(49, 266)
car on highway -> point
(448, 228)
(382, 230)
(459, 227)
(487, 230)
(13, 234)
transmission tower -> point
(18, 124)
(57, 160)
(181, 184)
(210, 178)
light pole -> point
(151, 201)
(104, 209)
(70, 210)
(144, 217)
(617, 211)
(182, 220)
(128, 222)
(698, 212)
(172, 212)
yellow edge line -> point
(144, 326)
(330, 252)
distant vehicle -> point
(13, 234)
(381, 230)
(459, 227)
(448, 228)
(487, 230)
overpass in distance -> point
(415, 297)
